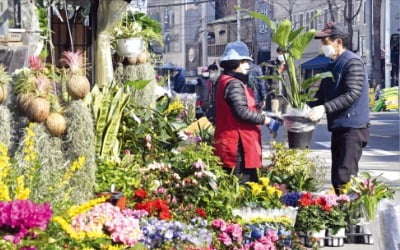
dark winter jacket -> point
(260, 89)
(345, 97)
(236, 97)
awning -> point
(318, 62)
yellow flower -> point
(272, 190)
(175, 105)
(21, 193)
(111, 247)
(264, 181)
(68, 228)
(4, 192)
(75, 166)
(256, 188)
(75, 210)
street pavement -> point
(380, 157)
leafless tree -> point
(376, 20)
(350, 13)
(287, 5)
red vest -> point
(229, 129)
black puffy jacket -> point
(236, 98)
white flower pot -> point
(337, 240)
(129, 47)
(320, 236)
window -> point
(301, 19)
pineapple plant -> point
(78, 85)
(33, 89)
(4, 80)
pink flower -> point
(219, 224)
(343, 198)
(236, 231)
(225, 238)
(127, 152)
(199, 165)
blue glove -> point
(273, 125)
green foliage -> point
(125, 176)
(108, 106)
(336, 218)
(293, 42)
(161, 128)
(310, 219)
(293, 168)
(138, 25)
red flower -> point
(322, 202)
(200, 212)
(144, 206)
(165, 215)
(140, 193)
(306, 200)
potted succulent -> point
(131, 33)
(293, 43)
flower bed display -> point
(158, 185)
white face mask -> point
(206, 74)
(244, 68)
(280, 58)
(213, 76)
(328, 50)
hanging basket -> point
(129, 47)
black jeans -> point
(244, 174)
(346, 148)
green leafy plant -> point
(138, 25)
(294, 169)
(293, 42)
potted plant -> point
(370, 192)
(311, 218)
(293, 43)
(131, 33)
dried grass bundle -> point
(80, 141)
(5, 126)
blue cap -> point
(236, 51)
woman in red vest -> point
(237, 138)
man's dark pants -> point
(346, 148)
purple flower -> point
(290, 199)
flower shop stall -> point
(110, 167)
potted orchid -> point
(370, 191)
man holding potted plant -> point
(344, 98)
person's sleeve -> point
(319, 95)
(351, 87)
(236, 98)
(262, 85)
